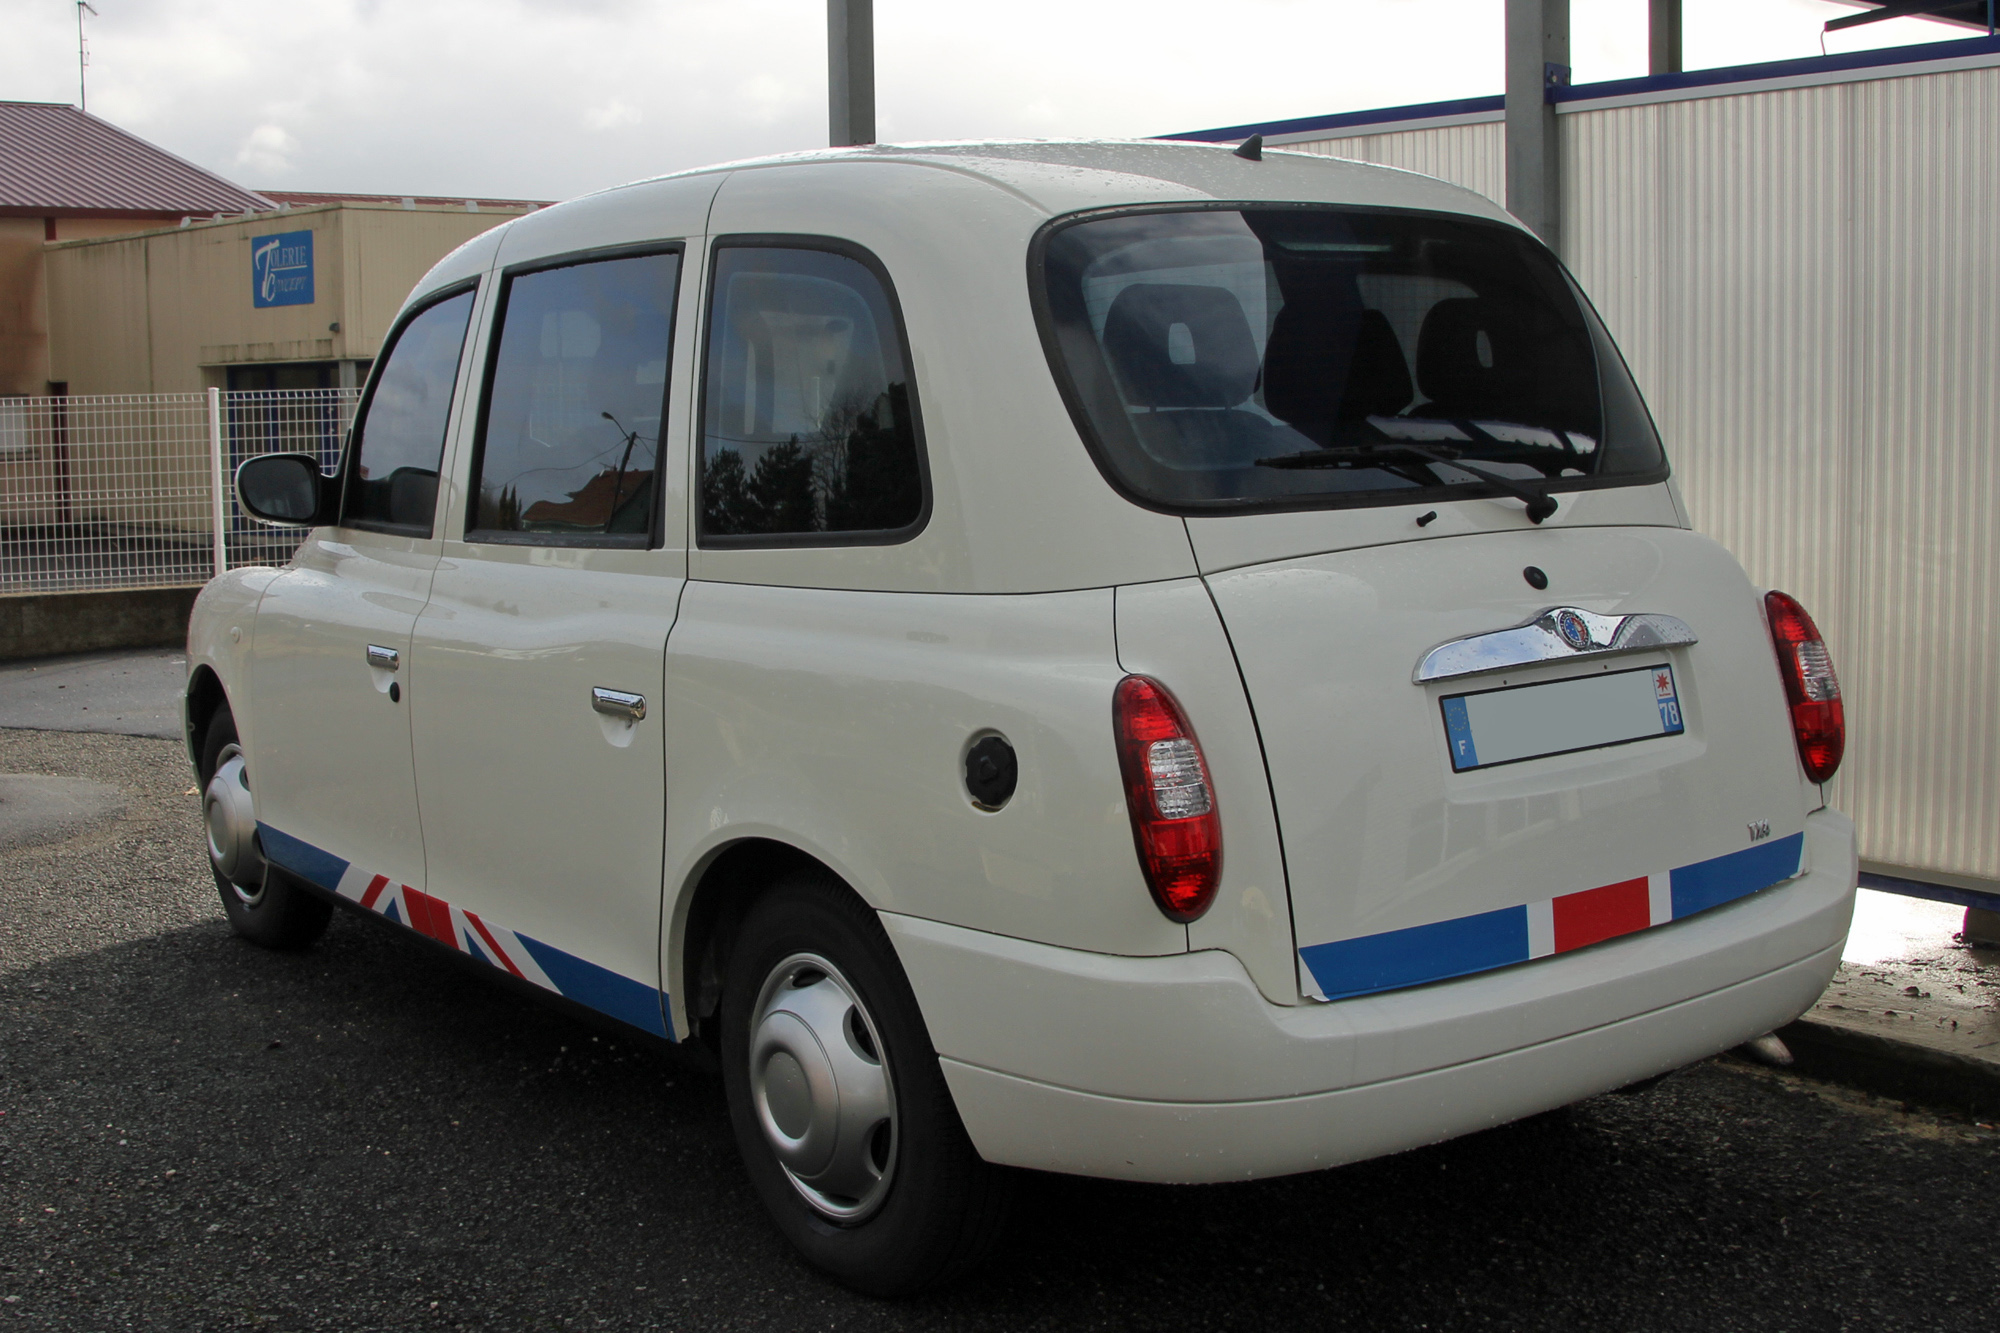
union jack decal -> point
(622, 997)
(1463, 945)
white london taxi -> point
(1130, 659)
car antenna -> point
(1251, 149)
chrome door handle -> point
(388, 659)
(618, 703)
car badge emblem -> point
(1574, 632)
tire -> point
(262, 904)
(892, 1201)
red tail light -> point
(1171, 800)
(1810, 685)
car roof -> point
(1059, 176)
(1050, 177)
(1018, 503)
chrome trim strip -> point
(618, 703)
(1543, 640)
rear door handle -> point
(618, 703)
(388, 659)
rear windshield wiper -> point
(1540, 503)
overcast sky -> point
(550, 98)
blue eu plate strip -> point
(1458, 731)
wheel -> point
(263, 906)
(841, 1113)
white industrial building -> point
(1801, 262)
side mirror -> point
(286, 489)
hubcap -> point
(232, 827)
(823, 1094)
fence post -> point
(218, 496)
(64, 515)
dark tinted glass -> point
(400, 439)
(1289, 356)
(809, 426)
(571, 443)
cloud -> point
(612, 115)
(539, 98)
(268, 150)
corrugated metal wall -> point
(1807, 283)
(1474, 156)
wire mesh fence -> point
(136, 490)
(278, 421)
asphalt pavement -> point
(128, 693)
(198, 1134)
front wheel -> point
(262, 905)
(840, 1110)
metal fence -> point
(136, 490)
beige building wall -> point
(24, 305)
(168, 311)
(24, 309)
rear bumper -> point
(1176, 1069)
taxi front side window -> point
(399, 438)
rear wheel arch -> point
(725, 887)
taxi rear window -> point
(1232, 358)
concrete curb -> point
(1923, 1029)
(51, 624)
(1892, 1067)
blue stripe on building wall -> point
(1719, 79)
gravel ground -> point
(196, 1134)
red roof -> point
(58, 161)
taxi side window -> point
(570, 432)
(399, 438)
(810, 431)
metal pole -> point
(1537, 62)
(1664, 36)
(218, 497)
(82, 57)
(850, 72)
(64, 515)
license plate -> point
(1517, 722)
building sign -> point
(281, 269)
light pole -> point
(1537, 63)
(850, 72)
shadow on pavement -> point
(195, 1133)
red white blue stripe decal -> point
(574, 978)
(1467, 944)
